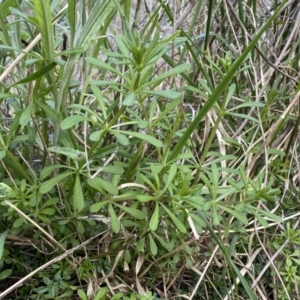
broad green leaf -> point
(106, 185)
(161, 240)
(171, 175)
(196, 202)
(6, 5)
(69, 152)
(198, 220)
(154, 218)
(145, 198)
(50, 112)
(73, 120)
(96, 135)
(102, 292)
(175, 220)
(122, 139)
(216, 217)
(82, 294)
(122, 46)
(78, 199)
(129, 100)
(47, 211)
(117, 296)
(51, 202)
(2, 242)
(136, 213)
(6, 273)
(100, 100)
(5, 190)
(49, 184)
(237, 214)
(142, 124)
(153, 246)
(2, 153)
(97, 206)
(49, 169)
(26, 114)
(148, 138)
(18, 222)
(115, 223)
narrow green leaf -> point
(69, 152)
(136, 213)
(43, 14)
(49, 184)
(115, 223)
(72, 20)
(175, 71)
(244, 282)
(239, 215)
(73, 120)
(176, 221)
(78, 199)
(103, 66)
(97, 206)
(106, 185)
(38, 74)
(271, 216)
(145, 137)
(220, 88)
(230, 93)
(247, 104)
(243, 116)
(154, 218)
(165, 94)
(168, 109)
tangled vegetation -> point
(149, 149)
